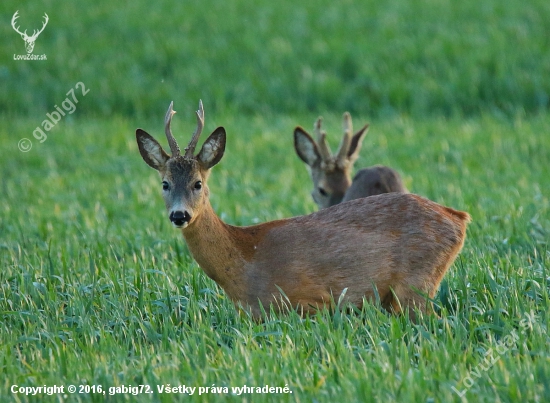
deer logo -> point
(29, 40)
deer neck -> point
(219, 249)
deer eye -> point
(198, 185)
(323, 192)
(165, 185)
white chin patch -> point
(181, 226)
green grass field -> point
(97, 288)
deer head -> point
(29, 40)
(331, 173)
(184, 177)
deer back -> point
(373, 181)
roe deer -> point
(396, 245)
(331, 174)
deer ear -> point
(213, 148)
(356, 142)
(150, 150)
(305, 147)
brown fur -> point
(396, 242)
(374, 181)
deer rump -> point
(400, 244)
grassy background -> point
(417, 57)
(97, 288)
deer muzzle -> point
(179, 218)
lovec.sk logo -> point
(29, 40)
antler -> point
(15, 17)
(171, 140)
(324, 148)
(342, 154)
(35, 34)
(24, 34)
(190, 149)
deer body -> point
(399, 244)
(373, 181)
(331, 174)
(314, 257)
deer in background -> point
(396, 245)
(29, 40)
(331, 174)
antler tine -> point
(14, 21)
(343, 150)
(174, 148)
(190, 149)
(14, 18)
(46, 19)
(324, 149)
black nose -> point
(180, 217)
